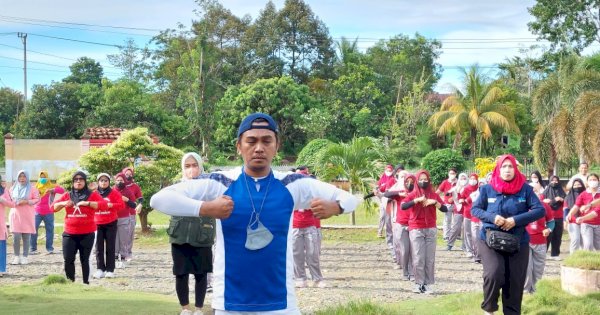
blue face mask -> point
(43, 181)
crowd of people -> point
(97, 222)
(477, 210)
(254, 227)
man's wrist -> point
(341, 209)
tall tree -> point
(132, 61)
(475, 111)
(306, 47)
(11, 101)
(85, 70)
(567, 24)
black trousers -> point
(71, 243)
(106, 235)
(183, 291)
(555, 238)
(506, 272)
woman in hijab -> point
(124, 234)
(506, 204)
(587, 206)
(43, 213)
(80, 206)
(106, 221)
(191, 241)
(573, 227)
(554, 196)
(457, 217)
(400, 230)
(133, 212)
(3, 232)
(423, 230)
(21, 198)
(466, 202)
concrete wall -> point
(34, 155)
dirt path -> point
(352, 272)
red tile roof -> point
(102, 133)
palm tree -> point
(357, 161)
(476, 110)
(562, 103)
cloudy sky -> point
(471, 31)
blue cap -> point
(247, 123)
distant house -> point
(53, 155)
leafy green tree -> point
(474, 111)
(358, 161)
(282, 98)
(132, 60)
(11, 102)
(438, 163)
(310, 155)
(569, 25)
(402, 61)
(85, 70)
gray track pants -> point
(422, 243)
(535, 267)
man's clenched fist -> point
(219, 208)
(323, 209)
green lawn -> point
(74, 298)
(548, 300)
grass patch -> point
(54, 279)
(362, 215)
(551, 299)
(455, 304)
(74, 298)
(350, 235)
(584, 259)
(155, 238)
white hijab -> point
(196, 157)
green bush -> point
(584, 259)
(439, 161)
(53, 279)
(310, 153)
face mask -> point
(451, 176)
(593, 184)
(43, 181)
(120, 185)
(129, 177)
(462, 182)
(423, 184)
(410, 187)
(472, 182)
(553, 185)
(534, 180)
(578, 189)
(258, 238)
(388, 173)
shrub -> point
(310, 153)
(584, 259)
(439, 161)
(53, 279)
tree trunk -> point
(144, 221)
(473, 140)
(456, 141)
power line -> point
(75, 28)
(83, 24)
(54, 70)
(50, 55)
(77, 40)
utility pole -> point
(23, 37)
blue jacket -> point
(524, 206)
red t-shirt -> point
(536, 228)
(586, 198)
(318, 223)
(303, 218)
(444, 187)
(557, 214)
(137, 194)
(108, 215)
(81, 221)
(384, 182)
(422, 217)
(468, 203)
(125, 212)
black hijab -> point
(553, 192)
(572, 195)
(1, 188)
(81, 194)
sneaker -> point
(209, 288)
(418, 288)
(555, 258)
(15, 261)
(50, 252)
(301, 284)
(449, 248)
(320, 284)
(186, 312)
(109, 275)
(23, 260)
(198, 312)
(428, 289)
(488, 313)
(98, 274)
(33, 252)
